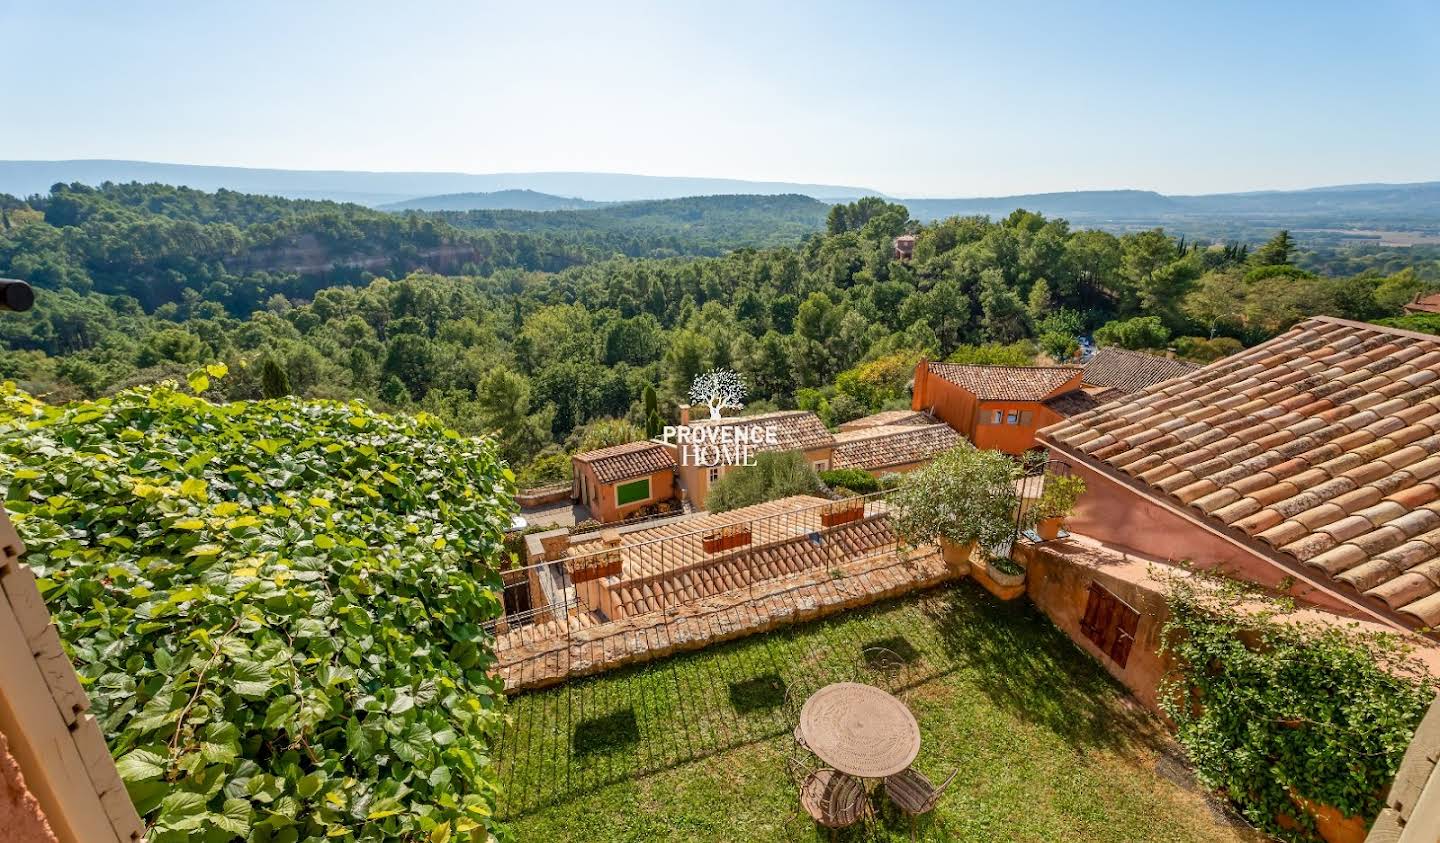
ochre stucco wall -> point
(21, 819)
(959, 408)
(601, 500)
(1011, 438)
(1117, 515)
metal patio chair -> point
(833, 799)
(914, 795)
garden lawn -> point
(1049, 748)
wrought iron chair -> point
(882, 667)
(833, 799)
(914, 795)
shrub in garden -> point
(850, 478)
(965, 495)
(275, 606)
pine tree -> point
(1276, 251)
(274, 383)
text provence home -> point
(715, 445)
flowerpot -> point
(1049, 528)
(957, 556)
(1003, 579)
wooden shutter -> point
(1109, 623)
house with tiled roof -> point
(1309, 463)
(616, 482)
(1113, 373)
(707, 449)
(892, 447)
(998, 407)
(1424, 303)
(1126, 371)
(888, 418)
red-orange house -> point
(997, 407)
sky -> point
(914, 99)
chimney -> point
(684, 415)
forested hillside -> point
(556, 360)
(695, 225)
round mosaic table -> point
(860, 730)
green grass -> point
(692, 747)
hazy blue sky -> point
(958, 99)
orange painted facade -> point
(1007, 426)
(602, 498)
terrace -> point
(692, 747)
(654, 671)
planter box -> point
(594, 567)
(834, 515)
(726, 538)
(1003, 579)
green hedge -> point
(275, 606)
(850, 478)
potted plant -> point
(1056, 503)
(1004, 571)
(965, 497)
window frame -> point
(649, 491)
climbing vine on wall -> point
(1281, 714)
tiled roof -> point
(874, 448)
(1323, 445)
(1424, 304)
(668, 563)
(890, 417)
(795, 430)
(1007, 383)
(1132, 371)
(1082, 400)
(633, 459)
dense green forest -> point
(140, 283)
(704, 225)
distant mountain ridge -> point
(513, 200)
(22, 178)
(1412, 206)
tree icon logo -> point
(718, 389)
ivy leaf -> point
(281, 711)
(141, 765)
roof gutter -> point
(1372, 608)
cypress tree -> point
(274, 383)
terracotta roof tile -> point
(795, 430)
(1131, 371)
(876, 448)
(889, 418)
(622, 462)
(1323, 443)
(1007, 383)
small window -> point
(997, 416)
(1109, 623)
(1012, 417)
(1027, 418)
(713, 474)
(821, 465)
(632, 492)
